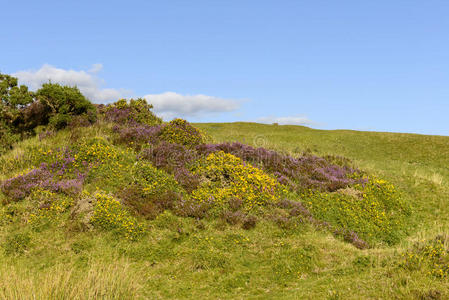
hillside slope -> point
(419, 164)
(210, 257)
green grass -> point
(186, 258)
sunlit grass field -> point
(184, 258)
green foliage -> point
(49, 208)
(16, 243)
(12, 99)
(110, 214)
(374, 210)
(151, 191)
(12, 95)
(186, 258)
(431, 257)
(62, 103)
(7, 137)
(152, 180)
(179, 131)
(135, 110)
(226, 176)
(22, 111)
(96, 150)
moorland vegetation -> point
(104, 186)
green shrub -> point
(179, 131)
(16, 243)
(152, 180)
(226, 176)
(374, 210)
(110, 214)
(96, 150)
(49, 208)
(13, 99)
(131, 112)
(62, 103)
(7, 138)
(151, 192)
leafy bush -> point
(13, 98)
(132, 112)
(226, 176)
(152, 180)
(12, 95)
(174, 159)
(94, 151)
(7, 138)
(110, 214)
(62, 103)
(374, 210)
(49, 206)
(181, 132)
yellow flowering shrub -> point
(226, 176)
(431, 256)
(50, 206)
(95, 151)
(110, 214)
(179, 131)
(374, 210)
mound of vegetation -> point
(114, 186)
(144, 166)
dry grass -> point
(113, 280)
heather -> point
(131, 206)
(128, 112)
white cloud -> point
(87, 81)
(292, 120)
(170, 105)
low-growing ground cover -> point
(188, 213)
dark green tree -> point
(61, 103)
(13, 98)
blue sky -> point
(364, 65)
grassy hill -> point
(48, 252)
